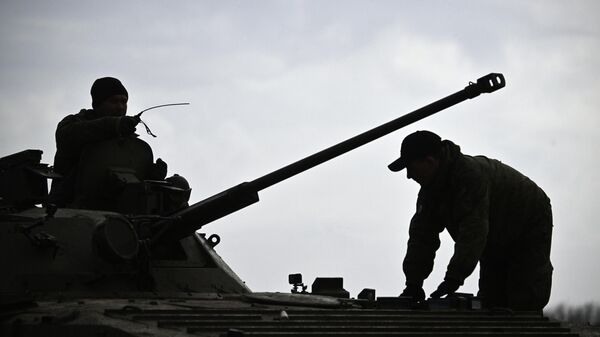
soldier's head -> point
(109, 97)
(419, 154)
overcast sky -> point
(270, 82)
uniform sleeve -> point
(423, 242)
(471, 212)
(75, 132)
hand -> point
(159, 170)
(415, 292)
(127, 125)
(447, 287)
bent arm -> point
(471, 212)
(75, 131)
(423, 242)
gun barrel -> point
(488, 83)
(245, 194)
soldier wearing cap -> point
(495, 215)
(106, 120)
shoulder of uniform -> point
(87, 113)
(469, 167)
(83, 114)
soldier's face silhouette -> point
(115, 105)
(422, 170)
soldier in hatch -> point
(106, 120)
(495, 215)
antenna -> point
(139, 115)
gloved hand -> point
(415, 292)
(159, 170)
(447, 287)
(127, 125)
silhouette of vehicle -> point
(126, 258)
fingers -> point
(415, 292)
(447, 287)
(438, 294)
(127, 125)
(135, 120)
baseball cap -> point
(417, 145)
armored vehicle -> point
(125, 258)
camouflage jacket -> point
(484, 204)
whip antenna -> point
(139, 115)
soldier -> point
(495, 215)
(106, 120)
